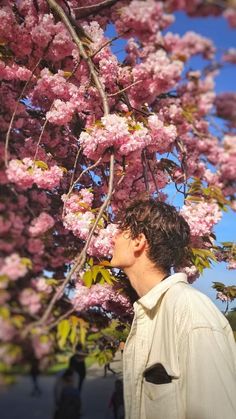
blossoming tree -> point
(83, 132)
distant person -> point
(107, 367)
(34, 374)
(67, 395)
(77, 361)
(117, 400)
(121, 347)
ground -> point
(16, 402)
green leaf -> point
(88, 278)
(63, 330)
(74, 323)
(95, 271)
(52, 281)
(27, 262)
(90, 262)
(106, 275)
(4, 312)
(41, 164)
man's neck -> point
(144, 278)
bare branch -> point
(125, 88)
(15, 110)
(83, 53)
(86, 11)
(62, 317)
(74, 168)
(108, 43)
(85, 171)
(80, 176)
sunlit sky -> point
(217, 29)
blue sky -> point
(217, 29)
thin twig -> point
(58, 9)
(108, 43)
(15, 110)
(85, 11)
(125, 88)
(62, 317)
(84, 171)
(78, 179)
(74, 167)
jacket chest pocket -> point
(160, 401)
(160, 393)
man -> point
(179, 359)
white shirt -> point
(179, 327)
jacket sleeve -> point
(210, 374)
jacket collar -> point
(150, 299)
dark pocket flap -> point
(157, 374)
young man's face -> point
(123, 252)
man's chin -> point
(114, 263)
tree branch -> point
(66, 20)
(86, 11)
(15, 110)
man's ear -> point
(140, 242)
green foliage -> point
(63, 330)
(103, 357)
(71, 331)
(231, 316)
(97, 274)
(228, 291)
(202, 258)
(197, 192)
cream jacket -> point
(180, 328)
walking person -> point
(117, 400)
(179, 358)
(107, 367)
(78, 363)
(34, 374)
(67, 395)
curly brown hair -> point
(166, 231)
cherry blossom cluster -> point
(78, 216)
(41, 224)
(122, 133)
(105, 296)
(30, 300)
(14, 267)
(27, 172)
(201, 216)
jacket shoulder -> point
(193, 308)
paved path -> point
(16, 402)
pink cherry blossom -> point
(230, 15)
(201, 216)
(42, 345)
(41, 285)
(102, 243)
(26, 172)
(7, 330)
(30, 300)
(41, 224)
(106, 296)
(13, 267)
